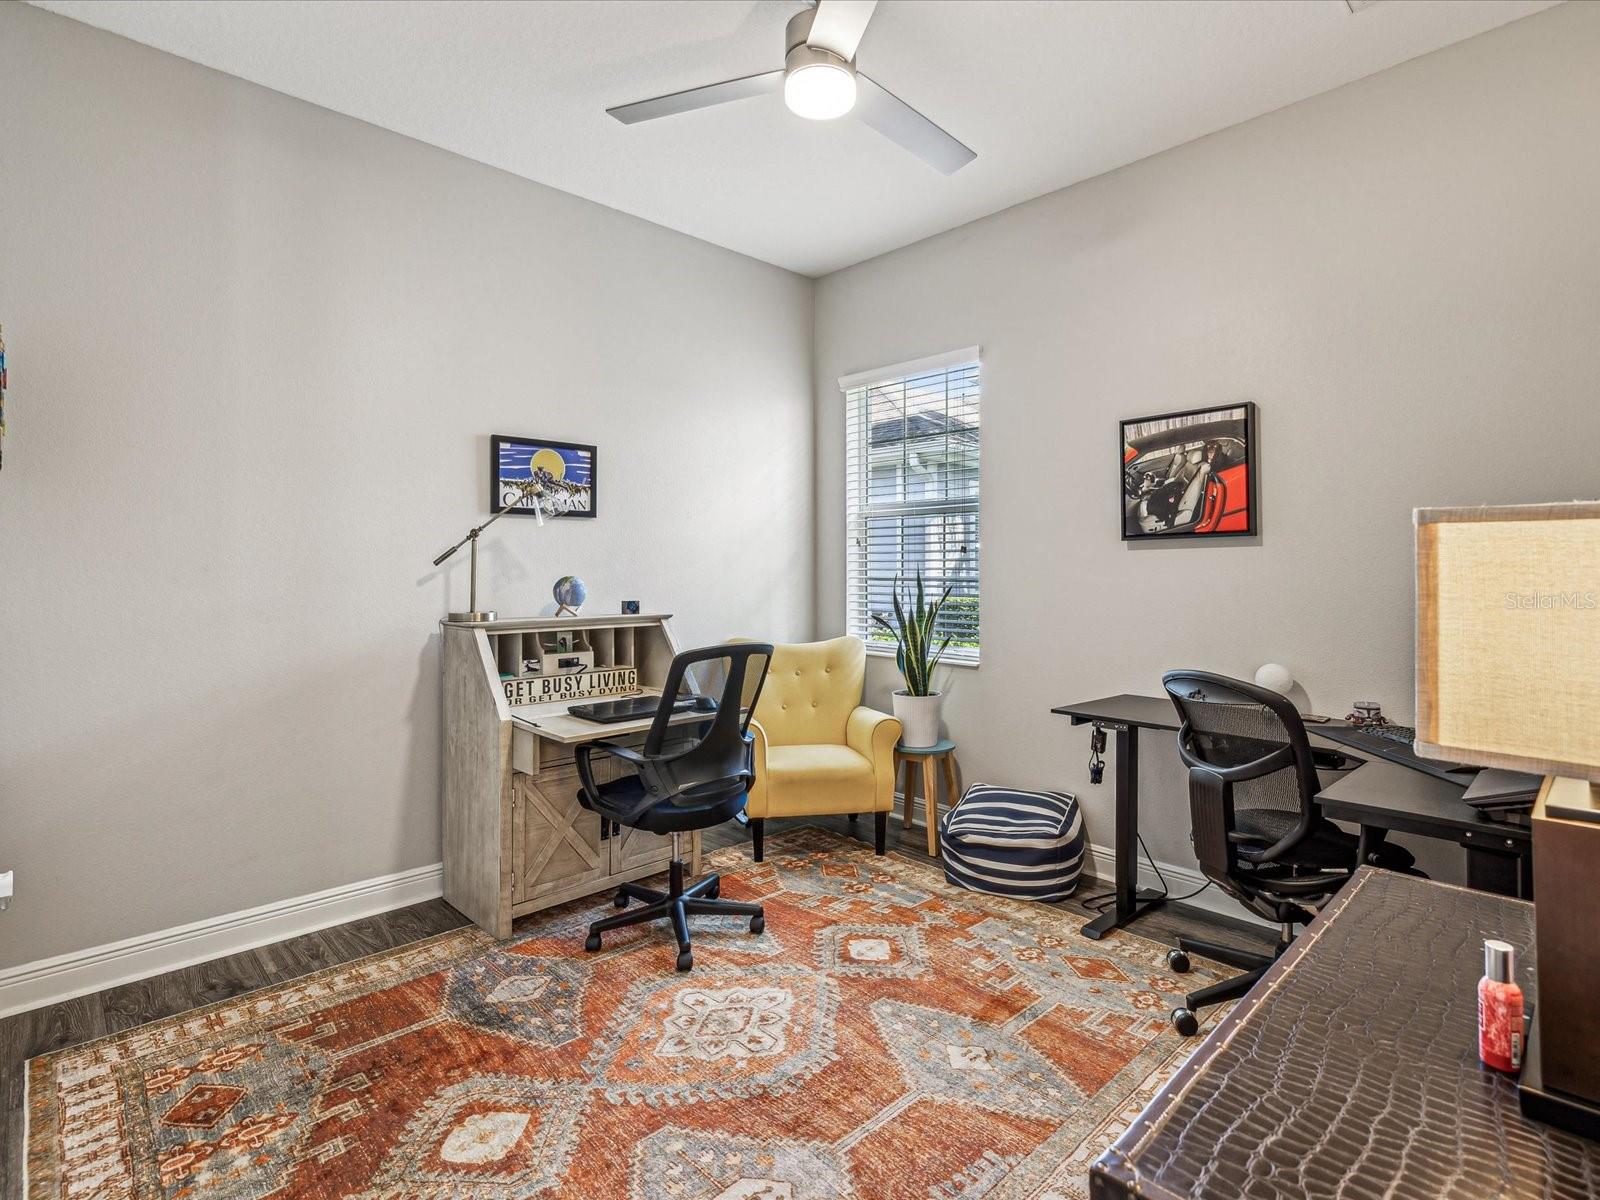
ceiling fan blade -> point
(837, 25)
(700, 97)
(907, 128)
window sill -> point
(888, 653)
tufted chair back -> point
(811, 690)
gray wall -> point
(257, 350)
(1403, 273)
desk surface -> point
(1378, 792)
(1351, 1070)
(1369, 744)
(553, 721)
(1393, 797)
(1146, 712)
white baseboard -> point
(50, 980)
(1180, 880)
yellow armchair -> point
(817, 749)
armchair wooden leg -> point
(930, 800)
(758, 826)
(880, 832)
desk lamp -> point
(1508, 639)
(525, 490)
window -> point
(911, 495)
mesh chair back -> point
(1256, 738)
(719, 759)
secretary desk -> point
(515, 838)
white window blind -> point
(911, 484)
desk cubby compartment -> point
(519, 653)
(562, 652)
(507, 648)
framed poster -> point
(1190, 474)
(565, 470)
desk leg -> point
(907, 767)
(1129, 901)
(1370, 838)
(1502, 874)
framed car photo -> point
(1190, 474)
(566, 471)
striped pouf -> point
(1028, 845)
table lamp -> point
(1508, 646)
(526, 489)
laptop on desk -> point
(634, 708)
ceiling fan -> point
(819, 81)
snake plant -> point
(914, 637)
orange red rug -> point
(888, 1037)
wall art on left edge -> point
(1190, 474)
(567, 471)
(2, 395)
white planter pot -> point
(919, 717)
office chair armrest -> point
(872, 734)
(626, 753)
(588, 789)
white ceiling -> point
(1046, 93)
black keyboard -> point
(1392, 742)
(636, 708)
(1403, 734)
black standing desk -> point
(1378, 795)
(1381, 795)
(1125, 715)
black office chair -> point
(678, 790)
(1255, 825)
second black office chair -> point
(676, 790)
(1256, 827)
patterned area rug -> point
(888, 1037)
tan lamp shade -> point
(1508, 637)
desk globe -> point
(570, 594)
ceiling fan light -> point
(818, 89)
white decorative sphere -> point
(1275, 677)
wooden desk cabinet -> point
(515, 838)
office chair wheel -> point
(593, 942)
(1185, 1022)
(758, 924)
(620, 900)
(1178, 961)
(714, 891)
(685, 960)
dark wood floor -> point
(88, 1017)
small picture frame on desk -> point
(567, 473)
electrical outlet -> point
(5, 889)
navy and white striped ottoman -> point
(1028, 845)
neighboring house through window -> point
(911, 494)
